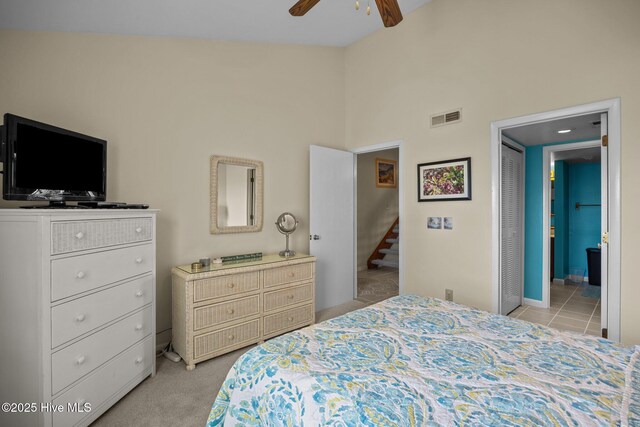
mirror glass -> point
(236, 195)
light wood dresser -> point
(77, 311)
(225, 307)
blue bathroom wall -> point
(584, 223)
(533, 223)
(560, 220)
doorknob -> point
(314, 237)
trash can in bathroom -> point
(593, 263)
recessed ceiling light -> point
(564, 130)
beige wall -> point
(377, 207)
(165, 105)
(496, 60)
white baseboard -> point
(533, 302)
(558, 281)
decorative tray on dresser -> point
(228, 306)
(77, 311)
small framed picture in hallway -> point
(444, 181)
(386, 173)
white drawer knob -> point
(80, 275)
(139, 360)
(79, 235)
(230, 311)
(290, 319)
(290, 296)
(80, 360)
(139, 293)
(231, 337)
(138, 230)
(231, 285)
(80, 318)
(138, 260)
(139, 327)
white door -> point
(511, 263)
(604, 221)
(331, 224)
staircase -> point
(387, 251)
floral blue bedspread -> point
(415, 361)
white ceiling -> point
(329, 23)
(582, 128)
(581, 155)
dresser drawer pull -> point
(79, 235)
(139, 327)
(138, 230)
(138, 260)
(230, 311)
(80, 360)
(231, 285)
(292, 274)
(139, 360)
(80, 275)
(139, 293)
(231, 337)
(80, 318)
(290, 296)
(290, 319)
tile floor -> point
(569, 311)
(377, 284)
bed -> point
(416, 361)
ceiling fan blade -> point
(389, 12)
(302, 7)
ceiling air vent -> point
(446, 118)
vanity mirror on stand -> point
(236, 195)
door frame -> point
(612, 108)
(546, 207)
(399, 144)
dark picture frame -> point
(386, 173)
(446, 180)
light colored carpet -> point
(177, 397)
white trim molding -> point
(533, 303)
(612, 108)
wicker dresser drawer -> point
(73, 362)
(274, 300)
(288, 320)
(222, 286)
(71, 236)
(289, 274)
(73, 275)
(74, 318)
(215, 314)
(104, 382)
(224, 339)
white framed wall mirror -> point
(236, 195)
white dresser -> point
(231, 306)
(77, 312)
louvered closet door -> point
(511, 278)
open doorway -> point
(378, 225)
(562, 232)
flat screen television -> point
(46, 163)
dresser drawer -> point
(73, 275)
(289, 296)
(288, 320)
(76, 317)
(71, 236)
(211, 315)
(235, 336)
(289, 274)
(106, 381)
(221, 286)
(73, 362)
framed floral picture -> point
(386, 173)
(447, 180)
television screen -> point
(43, 162)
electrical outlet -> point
(448, 294)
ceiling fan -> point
(389, 10)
